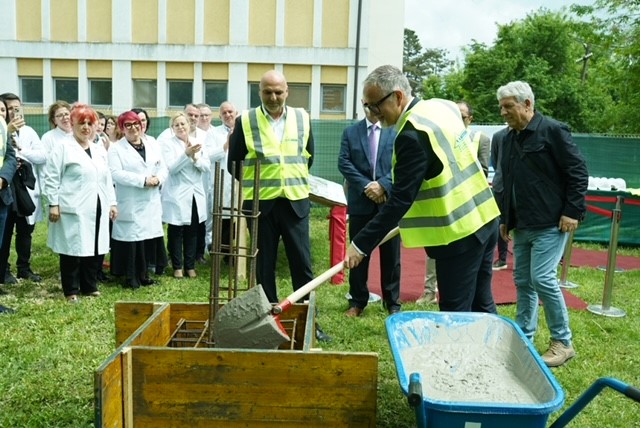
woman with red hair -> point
(78, 187)
(138, 171)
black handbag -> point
(24, 178)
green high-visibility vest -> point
(458, 201)
(284, 170)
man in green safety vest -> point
(279, 138)
(440, 195)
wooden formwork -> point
(147, 383)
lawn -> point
(49, 349)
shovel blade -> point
(246, 322)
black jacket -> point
(7, 171)
(548, 176)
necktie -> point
(373, 147)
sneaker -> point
(499, 265)
(558, 354)
(428, 298)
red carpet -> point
(504, 291)
(599, 258)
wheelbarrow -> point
(479, 338)
(471, 370)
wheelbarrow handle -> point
(590, 394)
(315, 282)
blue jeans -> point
(537, 254)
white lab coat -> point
(183, 183)
(49, 140)
(214, 143)
(74, 181)
(30, 148)
(139, 208)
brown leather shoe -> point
(353, 312)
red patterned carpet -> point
(504, 292)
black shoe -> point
(147, 281)
(28, 274)
(102, 277)
(321, 336)
(9, 279)
(5, 310)
(201, 260)
(131, 284)
(394, 309)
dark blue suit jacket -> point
(353, 163)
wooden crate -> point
(145, 383)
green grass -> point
(50, 349)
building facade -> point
(162, 54)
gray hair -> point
(389, 78)
(518, 89)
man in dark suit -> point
(440, 196)
(279, 138)
(365, 163)
(8, 166)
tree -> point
(421, 64)
(542, 50)
(617, 31)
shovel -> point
(250, 321)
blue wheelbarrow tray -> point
(471, 370)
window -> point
(215, 93)
(31, 90)
(180, 93)
(66, 90)
(100, 92)
(254, 95)
(145, 93)
(333, 99)
(299, 95)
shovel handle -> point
(317, 281)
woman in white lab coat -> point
(183, 197)
(138, 171)
(155, 250)
(79, 190)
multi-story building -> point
(162, 54)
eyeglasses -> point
(62, 115)
(375, 107)
(129, 125)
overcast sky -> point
(450, 25)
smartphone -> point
(17, 113)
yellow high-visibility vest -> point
(458, 201)
(284, 170)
